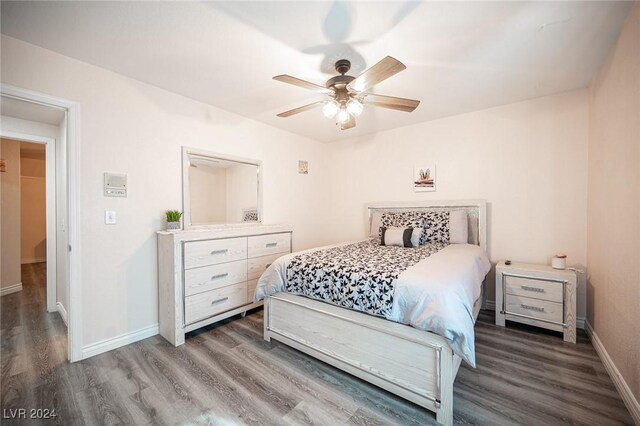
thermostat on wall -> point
(115, 185)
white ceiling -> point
(10, 107)
(461, 56)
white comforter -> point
(436, 294)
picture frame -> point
(424, 178)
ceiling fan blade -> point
(302, 83)
(300, 109)
(379, 72)
(391, 102)
(349, 124)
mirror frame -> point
(186, 187)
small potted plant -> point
(173, 219)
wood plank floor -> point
(227, 375)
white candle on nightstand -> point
(559, 261)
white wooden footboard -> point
(414, 364)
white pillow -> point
(376, 223)
(393, 237)
(458, 227)
(415, 235)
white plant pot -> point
(172, 226)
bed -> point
(410, 343)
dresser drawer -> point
(251, 290)
(535, 308)
(207, 304)
(263, 245)
(537, 289)
(257, 265)
(199, 280)
(211, 252)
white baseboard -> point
(118, 341)
(625, 392)
(63, 313)
(491, 305)
(33, 260)
(10, 289)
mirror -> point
(219, 189)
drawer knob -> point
(215, 302)
(216, 277)
(214, 252)
(536, 289)
(532, 308)
(271, 244)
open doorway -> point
(28, 257)
(33, 203)
(34, 257)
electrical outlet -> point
(109, 217)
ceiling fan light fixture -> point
(330, 109)
(347, 93)
(343, 115)
(354, 107)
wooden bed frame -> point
(413, 364)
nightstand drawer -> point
(534, 308)
(535, 288)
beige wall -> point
(143, 138)
(10, 214)
(614, 203)
(33, 226)
(33, 167)
(527, 159)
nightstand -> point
(537, 295)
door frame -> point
(74, 290)
(50, 185)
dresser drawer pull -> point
(532, 308)
(215, 302)
(536, 289)
(214, 252)
(271, 244)
(217, 277)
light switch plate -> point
(109, 217)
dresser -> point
(206, 275)
(537, 295)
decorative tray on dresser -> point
(207, 275)
(537, 295)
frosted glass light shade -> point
(343, 115)
(354, 107)
(330, 109)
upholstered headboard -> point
(476, 214)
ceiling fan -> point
(349, 94)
